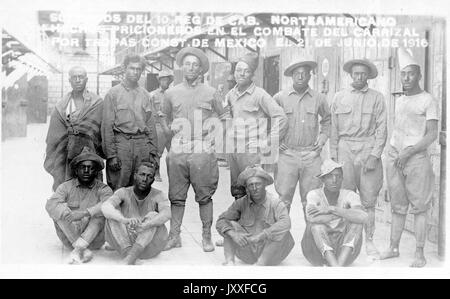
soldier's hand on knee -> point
(257, 238)
(239, 238)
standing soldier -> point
(128, 127)
(299, 159)
(165, 78)
(74, 124)
(186, 105)
(253, 107)
(409, 169)
(358, 136)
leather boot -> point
(175, 227)
(206, 215)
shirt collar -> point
(78, 184)
(194, 84)
(128, 88)
(291, 90)
(363, 90)
(249, 89)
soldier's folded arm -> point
(56, 205)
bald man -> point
(74, 124)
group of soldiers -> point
(131, 128)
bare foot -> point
(109, 247)
(390, 253)
(75, 257)
(229, 263)
(87, 256)
(419, 261)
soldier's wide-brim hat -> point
(87, 155)
(204, 61)
(290, 69)
(373, 71)
(328, 166)
(252, 171)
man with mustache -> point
(299, 160)
(128, 126)
(136, 216)
(75, 123)
(358, 137)
(191, 159)
(75, 207)
(333, 234)
(409, 169)
(256, 226)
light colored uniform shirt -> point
(154, 205)
(270, 217)
(347, 199)
(411, 115)
(126, 110)
(358, 114)
(254, 104)
(183, 101)
(71, 195)
(303, 113)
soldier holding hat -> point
(75, 207)
(254, 107)
(299, 159)
(191, 160)
(165, 78)
(358, 137)
(333, 235)
(409, 169)
(256, 226)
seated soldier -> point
(75, 207)
(256, 226)
(136, 216)
(335, 219)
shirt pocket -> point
(124, 116)
(367, 117)
(311, 116)
(250, 109)
(344, 116)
